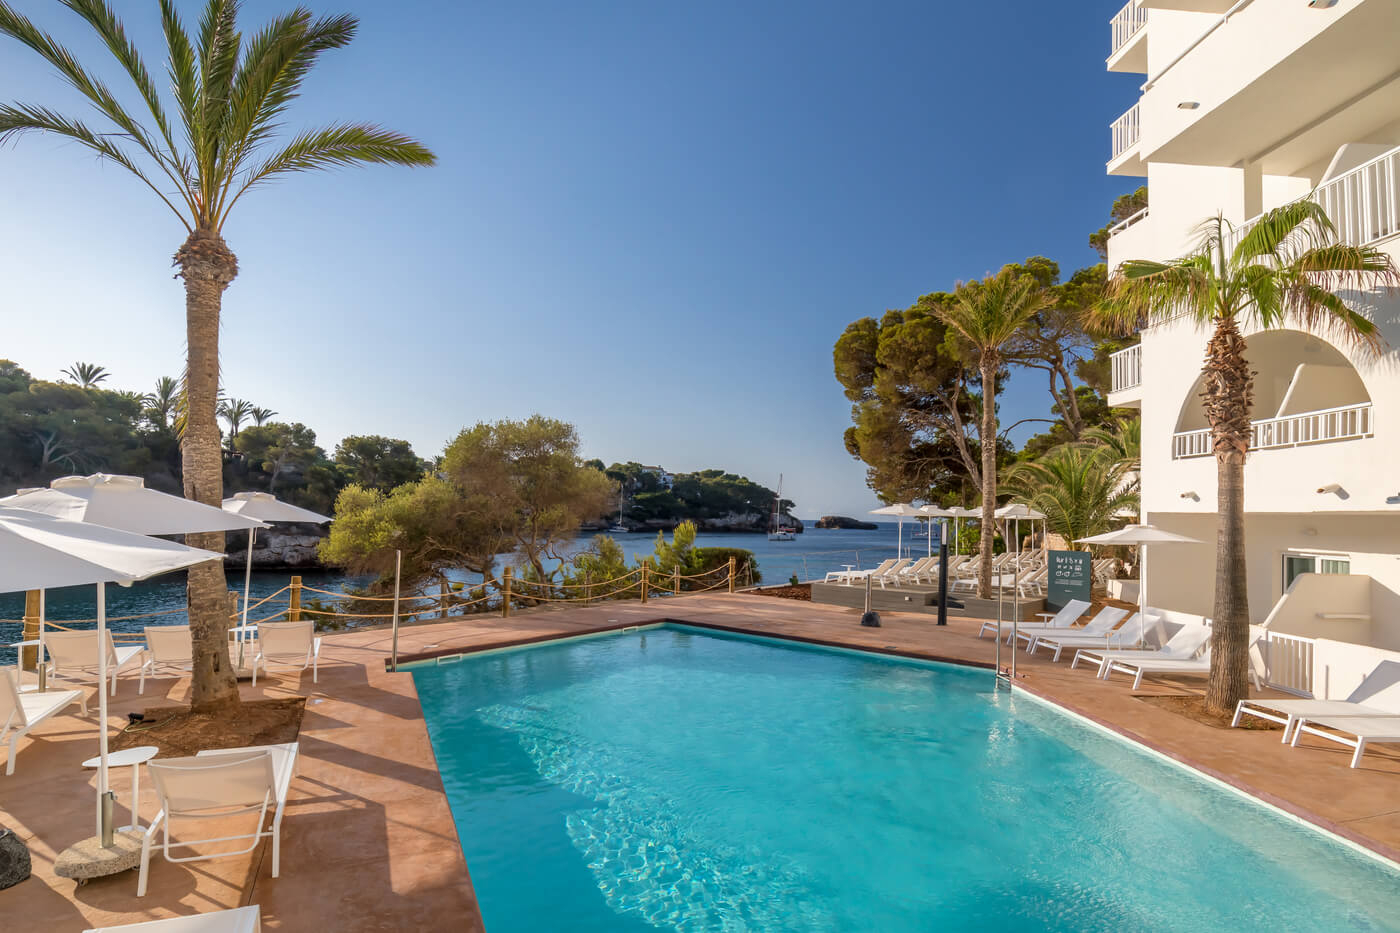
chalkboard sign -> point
(1071, 577)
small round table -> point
(847, 574)
(135, 757)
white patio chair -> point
(73, 656)
(238, 920)
(20, 712)
(167, 647)
(1183, 645)
(218, 784)
(289, 645)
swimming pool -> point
(678, 780)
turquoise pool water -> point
(676, 780)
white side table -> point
(135, 757)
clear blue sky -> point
(649, 219)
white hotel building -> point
(1245, 106)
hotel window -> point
(1294, 564)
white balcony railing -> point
(1126, 130)
(1312, 427)
(1125, 224)
(1126, 24)
(1127, 368)
(1288, 663)
(1363, 204)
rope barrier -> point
(312, 589)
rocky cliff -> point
(281, 547)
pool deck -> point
(368, 841)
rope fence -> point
(499, 595)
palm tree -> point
(230, 98)
(259, 415)
(1119, 443)
(1080, 491)
(234, 411)
(164, 401)
(988, 314)
(86, 375)
(1288, 270)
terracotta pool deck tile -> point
(368, 839)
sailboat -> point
(777, 531)
(617, 528)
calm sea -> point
(810, 556)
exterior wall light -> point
(1329, 488)
(1189, 105)
(1191, 494)
(1322, 4)
(1310, 532)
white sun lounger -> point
(1185, 644)
(848, 576)
(1289, 712)
(20, 712)
(1128, 635)
(238, 920)
(219, 783)
(1362, 730)
(1174, 667)
(73, 655)
(1101, 624)
(1096, 628)
(1062, 620)
(1372, 696)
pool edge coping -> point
(1336, 833)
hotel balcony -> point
(1351, 422)
(1363, 204)
(1275, 85)
(1129, 50)
(1126, 134)
(1126, 388)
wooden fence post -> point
(731, 574)
(29, 657)
(646, 578)
(676, 581)
(505, 593)
(587, 587)
(294, 610)
(442, 599)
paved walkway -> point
(368, 839)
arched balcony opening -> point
(1305, 392)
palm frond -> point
(16, 119)
(1143, 291)
(335, 146)
(274, 66)
(1298, 225)
(20, 28)
(219, 45)
(181, 66)
(104, 21)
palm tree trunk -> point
(207, 266)
(989, 475)
(1229, 403)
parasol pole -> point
(104, 809)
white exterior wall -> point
(1217, 158)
